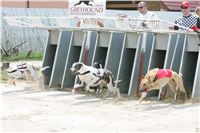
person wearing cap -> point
(186, 21)
(144, 15)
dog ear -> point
(78, 66)
(148, 78)
(143, 76)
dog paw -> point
(13, 83)
(73, 91)
(77, 86)
(90, 90)
(97, 92)
(105, 96)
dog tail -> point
(180, 74)
(117, 81)
(44, 68)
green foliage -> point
(22, 56)
(3, 75)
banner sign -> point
(87, 7)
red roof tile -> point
(175, 5)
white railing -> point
(109, 23)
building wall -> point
(13, 3)
(48, 4)
(154, 5)
(131, 5)
(125, 5)
(34, 3)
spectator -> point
(187, 20)
(144, 15)
(197, 11)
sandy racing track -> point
(26, 109)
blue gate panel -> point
(60, 58)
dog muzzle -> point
(73, 71)
(142, 89)
(143, 95)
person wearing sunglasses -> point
(187, 20)
(144, 15)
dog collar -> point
(84, 73)
(145, 90)
(12, 71)
(15, 71)
(155, 78)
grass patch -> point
(4, 76)
(23, 56)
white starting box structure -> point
(129, 52)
